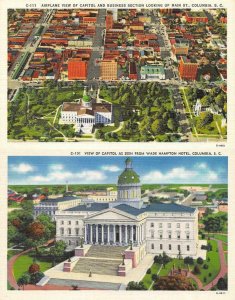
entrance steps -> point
(101, 251)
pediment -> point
(111, 215)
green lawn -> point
(213, 264)
(23, 262)
(178, 263)
(147, 280)
(221, 237)
(225, 247)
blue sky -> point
(105, 169)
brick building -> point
(188, 68)
(77, 69)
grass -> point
(221, 237)
(178, 263)
(23, 262)
(213, 264)
(147, 280)
(225, 247)
(11, 253)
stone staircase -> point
(99, 251)
(99, 259)
(97, 266)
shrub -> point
(209, 274)
(188, 260)
(200, 261)
(205, 279)
(148, 271)
(154, 277)
(36, 277)
(34, 268)
(203, 236)
(205, 266)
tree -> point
(196, 270)
(132, 285)
(222, 284)
(36, 277)
(34, 268)
(58, 250)
(212, 224)
(188, 260)
(176, 282)
(199, 260)
(23, 280)
(158, 127)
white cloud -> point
(22, 168)
(110, 168)
(85, 176)
(201, 166)
(56, 167)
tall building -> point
(77, 69)
(196, 17)
(108, 70)
(151, 228)
(188, 68)
(109, 21)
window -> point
(188, 248)
(160, 236)
(69, 231)
(178, 236)
(62, 231)
(178, 247)
(169, 236)
(187, 225)
(69, 222)
(70, 243)
(168, 225)
(77, 223)
(77, 231)
(152, 224)
(178, 225)
(169, 246)
(62, 222)
(160, 225)
(161, 247)
(152, 246)
(187, 236)
(152, 234)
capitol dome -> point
(128, 176)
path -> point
(10, 266)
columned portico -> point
(114, 234)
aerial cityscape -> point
(119, 75)
(117, 223)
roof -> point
(59, 199)
(152, 69)
(129, 209)
(172, 207)
(89, 207)
(128, 176)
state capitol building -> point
(151, 228)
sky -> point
(31, 170)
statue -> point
(90, 275)
(131, 245)
(123, 257)
(82, 242)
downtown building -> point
(152, 228)
(188, 68)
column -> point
(137, 235)
(91, 237)
(114, 234)
(102, 234)
(126, 234)
(108, 233)
(120, 233)
(132, 234)
(97, 233)
(85, 234)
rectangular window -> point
(152, 234)
(187, 236)
(160, 236)
(77, 231)
(69, 222)
(152, 246)
(188, 248)
(178, 247)
(169, 246)
(77, 223)
(178, 236)
(161, 247)
(62, 222)
(152, 224)
(169, 236)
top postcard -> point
(118, 75)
